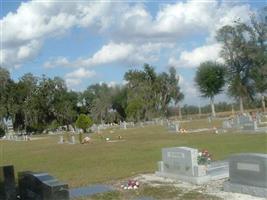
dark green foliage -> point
(210, 78)
(150, 94)
(84, 122)
(236, 53)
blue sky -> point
(87, 42)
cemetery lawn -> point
(109, 162)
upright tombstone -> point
(252, 126)
(244, 119)
(209, 119)
(177, 127)
(124, 125)
(41, 186)
(182, 163)
(180, 160)
(7, 183)
(93, 128)
(174, 128)
(226, 124)
(248, 174)
(61, 139)
(72, 139)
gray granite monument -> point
(181, 163)
(7, 183)
(248, 174)
(41, 186)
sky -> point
(88, 42)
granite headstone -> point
(7, 183)
(248, 174)
(41, 186)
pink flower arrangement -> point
(204, 157)
(132, 184)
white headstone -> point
(61, 140)
(72, 139)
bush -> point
(84, 122)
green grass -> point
(198, 196)
(138, 152)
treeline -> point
(188, 110)
(37, 103)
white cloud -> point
(123, 53)
(112, 84)
(110, 53)
(26, 29)
(34, 21)
(191, 59)
(60, 61)
(188, 87)
(72, 82)
(75, 78)
(172, 22)
(81, 73)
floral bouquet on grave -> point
(131, 184)
(204, 157)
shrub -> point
(84, 122)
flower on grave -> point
(131, 184)
(204, 157)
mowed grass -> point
(137, 152)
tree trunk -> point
(263, 103)
(213, 114)
(199, 111)
(180, 112)
(241, 105)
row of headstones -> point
(246, 122)
(70, 141)
(125, 125)
(13, 137)
(31, 186)
(247, 172)
(156, 121)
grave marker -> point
(248, 174)
(72, 139)
(7, 183)
(182, 163)
(41, 186)
(61, 139)
(180, 160)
